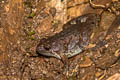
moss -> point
(31, 33)
(31, 15)
(31, 38)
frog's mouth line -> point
(70, 53)
(47, 54)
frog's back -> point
(78, 25)
(69, 36)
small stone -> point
(106, 45)
(3, 1)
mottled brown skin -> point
(72, 40)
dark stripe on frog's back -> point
(77, 28)
(91, 17)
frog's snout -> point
(44, 52)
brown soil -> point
(24, 23)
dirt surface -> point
(24, 23)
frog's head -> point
(45, 50)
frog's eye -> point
(46, 47)
(93, 22)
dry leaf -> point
(117, 53)
(87, 62)
(114, 77)
(91, 45)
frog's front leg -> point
(73, 51)
(66, 63)
(77, 49)
(64, 57)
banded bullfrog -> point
(72, 40)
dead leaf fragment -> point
(87, 62)
(76, 68)
(91, 45)
(98, 74)
(7, 7)
(92, 35)
(11, 31)
(108, 37)
(114, 77)
(117, 52)
(118, 35)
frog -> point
(72, 40)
